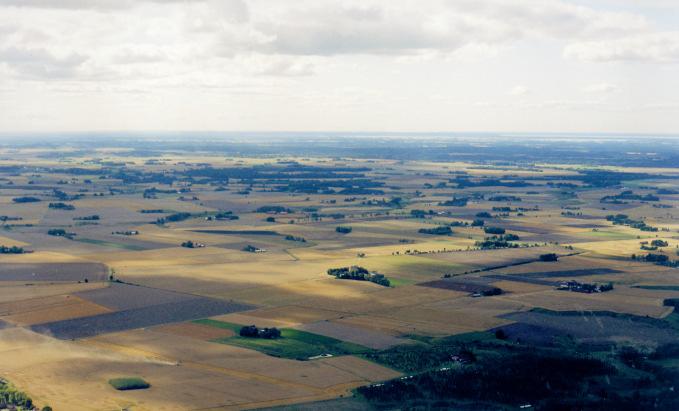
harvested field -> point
(292, 315)
(467, 287)
(195, 330)
(147, 316)
(521, 279)
(238, 232)
(119, 296)
(519, 287)
(571, 273)
(617, 300)
(53, 272)
(49, 309)
(13, 291)
(356, 335)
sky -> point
(340, 65)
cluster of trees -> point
(498, 241)
(628, 195)
(225, 215)
(549, 257)
(519, 376)
(347, 187)
(504, 198)
(61, 206)
(455, 202)
(60, 232)
(459, 224)
(127, 232)
(334, 216)
(273, 209)
(494, 230)
(359, 274)
(252, 249)
(623, 219)
(421, 213)
(292, 173)
(11, 250)
(655, 258)
(64, 196)
(25, 199)
(654, 245)
(173, 218)
(11, 398)
(343, 230)
(439, 230)
(465, 182)
(191, 244)
(585, 287)
(251, 331)
(290, 237)
(94, 217)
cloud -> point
(85, 4)
(283, 67)
(601, 88)
(653, 47)
(519, 91)
(333, 27)
(139, 55)
(40, 63)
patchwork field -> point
(245, 282)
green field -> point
(612, 235)
(128, 383)
(293, 344)
(658, 287)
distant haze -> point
(372, 65)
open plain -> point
(147, 263)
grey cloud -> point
(39, 63)
(335, 28)
(85, 4)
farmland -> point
(190, 244)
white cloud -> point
(601, 88)
(388, 58)
(652, 47)
(519, 91)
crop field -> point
(467, 287)
(145, 316)
(67, 272)
(49, 309)
(595, 326)
(356, 335)
(149, 262)
(293, 344)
